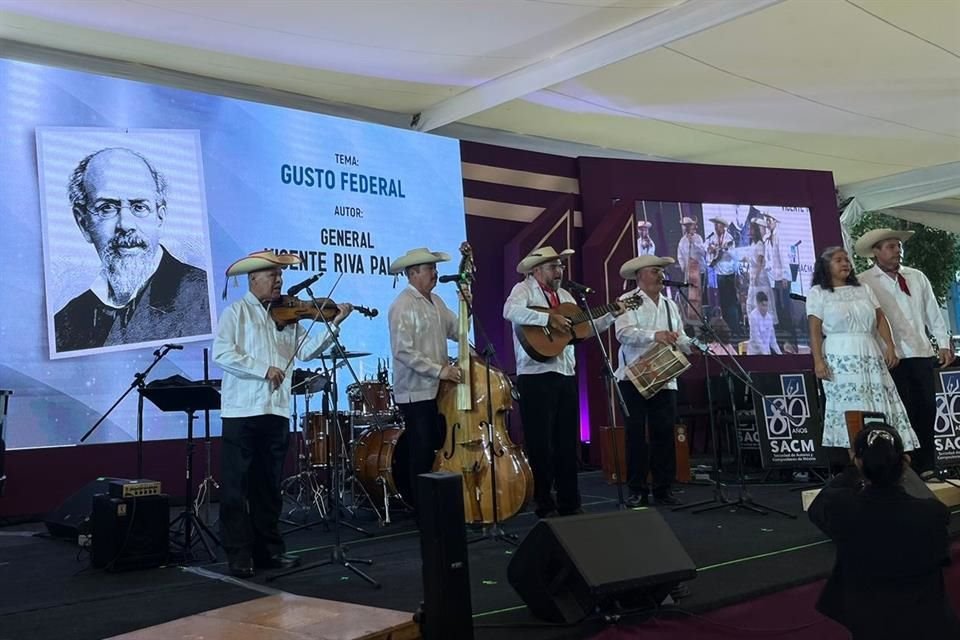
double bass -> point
(497, 480)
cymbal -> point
(346, 354)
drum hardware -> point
(338, 555)
(305, 487)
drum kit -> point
(363, 446)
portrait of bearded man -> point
(142, 293)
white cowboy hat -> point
(414, 257)
(866, 242)
(539, 256)
(629, 269)
(687, 220)
(260, 260)
(720, 220)
(644, 223)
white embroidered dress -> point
(859, 378)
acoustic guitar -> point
(543, 343)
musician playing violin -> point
(548, 389)
(420, 325)
(655, 321)
(256, 354)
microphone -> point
(797, 296)
(576, 286)
(678, 285)
(173, 346)
(797, 243)
(452, 278)
(297, 288)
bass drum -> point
(380, 463)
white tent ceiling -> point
(862, 88)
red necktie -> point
(552, 298)
(903, 283)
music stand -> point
(189, 398)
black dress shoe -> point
(241, 568)
(667, 499)
(637, 500)
(281, 561)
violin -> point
(286, 310)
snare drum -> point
(658, 366)
(320, 440)
(369, 397)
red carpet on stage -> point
(787, 615)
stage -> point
(49, 590)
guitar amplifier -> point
(130, 533)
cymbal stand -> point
(305, 487)
(338, 553)
(207, 486)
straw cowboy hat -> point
(539, 256)
(687, 220)
(260, 260)
(644, 223)
(629, 269)
(866, 242)
(720, 220)
(421, 255)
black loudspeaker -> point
(566, 568)
(130, 533)
(447, 612)
(74, 514)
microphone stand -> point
(613, 390)
(208, 484)
(138, 382)
(494, 531)
(720, 500)
(338, 553)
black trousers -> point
(915, 384)
(252, 458)
(551, 433)
(422, 436)
(729, 302)
(658, 457)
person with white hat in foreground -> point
(655, 320)
(420, 325)
(256, 357)
(548, 390)
(907, 299)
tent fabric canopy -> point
(929, 196)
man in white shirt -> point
(778, 263)
(907, 300)
(720, 256)
(548, 388)
(645, 244)
(763, 337)
(655, 321)
(420, 325)
(256, 357)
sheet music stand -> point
(189, 398)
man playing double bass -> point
(655, 321)
(548, 390)
(420, 325)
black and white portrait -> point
(126, 278)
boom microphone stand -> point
(138, 382)
(613, 391)
(338, 554)
(719, 499)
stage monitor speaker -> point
(567, 568)
(447, 612)
(74, 514)
(130, 533)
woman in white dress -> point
(845, 323)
